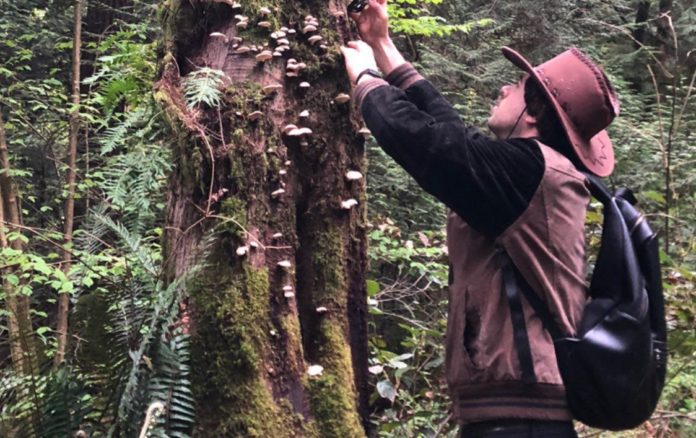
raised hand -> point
(373, 22)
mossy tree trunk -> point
(277, 313)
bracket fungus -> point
(255, 115)
(341, 98)
(276, 193)
(315, 370)
(264, 56)
(289, 127)
(298, 132)
(219, 35)
(314, 39)
(285, 264)
(348, 204)
(271, 88)
(353, 175)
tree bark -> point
(277, 315)
(64, 299)
(642, 13)
(22, 348)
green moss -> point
(245, 96)
(233, 321)
(234, 208)
(333, 392)
(327, 259)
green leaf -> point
(386, 390)
(372, 288)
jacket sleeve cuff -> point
(365, 87)
(403, 76)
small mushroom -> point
(236, 5)
(277, 193)
(353, 175)
(242, 49)
(242, 25)
(342, 98)
(348, 204)
(254, 244)
(285, 264)
(304, 113)
(277, 235)
(273, 333)
(264, 24)
(309, 28)
(365, 132)
(255, 115)
(315, 370)
(283, 42)
(304, 85)
(284, 29)
(289, 294)
(314, 39)
(219, 35)
(291, 31)
(242, 250)
(287, 288)
(282, 172)
(237, 39)
(289, 127)
(277, 54)
(264, 11)
(272, 88)
(298, 132)
(287, 163)
(264, 56)
(321, 309)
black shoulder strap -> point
(519, 327)
(512, 282)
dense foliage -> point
(127, 353)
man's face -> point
(507, 109)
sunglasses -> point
(357, 6)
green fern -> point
(204, 86)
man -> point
(520, 193)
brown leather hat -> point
(584, 100)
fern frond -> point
(203, 86)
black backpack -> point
(614, 369)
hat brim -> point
(597, 154)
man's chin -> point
(492, 128)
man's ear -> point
(529, 119)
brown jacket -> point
(547, 244)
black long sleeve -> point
(487, 182)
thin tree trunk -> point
(277, 316)
(22, 348)
(668, 54)
(64, 299)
